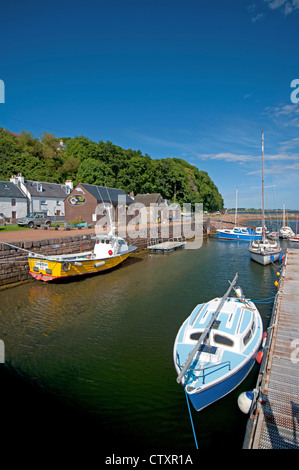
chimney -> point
(69, 186)
(17, 180)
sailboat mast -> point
(263, 208)
(236, 208)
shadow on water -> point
(92, 360)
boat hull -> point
(223, 235)
(214, 393)
(264, 258)
(48, 269)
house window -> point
(13, 215)
(13, 202)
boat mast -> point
(263, 208)
(284, 216)
(236, 209)
(206, 331)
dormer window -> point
(39, 187)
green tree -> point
(92, 171)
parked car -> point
(35, 219)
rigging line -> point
(37, 125)
(190, 414)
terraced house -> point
(43, 197)
(13, 202)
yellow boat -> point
(108, 252)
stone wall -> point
(14, 264)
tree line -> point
(83, 160)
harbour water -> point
(91, 360)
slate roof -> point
(105, 194)
(49, 190)
(8, 189)
(148, 199)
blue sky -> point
(193, 79)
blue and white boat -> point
(216, 347)
(239, 233)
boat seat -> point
(208, 349)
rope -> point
(267, 300)
(191, 420)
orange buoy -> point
(259, 356)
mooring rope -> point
(190, 414)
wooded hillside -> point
(83, 160)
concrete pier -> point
(274, 417)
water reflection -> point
(104, 344)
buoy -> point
(278, 273)
(100, 263)
(245, 400)
(110, 252)
(259, 356)
(276, 283)
(264, 339)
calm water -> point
(96, 355)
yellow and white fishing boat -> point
(108, 252)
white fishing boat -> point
(266, 250)
(216, 347)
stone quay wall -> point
(14, 264)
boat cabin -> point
(233, 329)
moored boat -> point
(266, 250)
(285, 231)
(238, 233)
(109, 251)
(216, 346)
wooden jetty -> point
(167, 246)
(274, 416)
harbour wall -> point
(14, 264)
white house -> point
(13, 203)
(43, 197)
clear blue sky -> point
(194, 79)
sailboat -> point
(295, 238)
(216, 347)
(266, 250)
(238, 233)
(285, 231)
